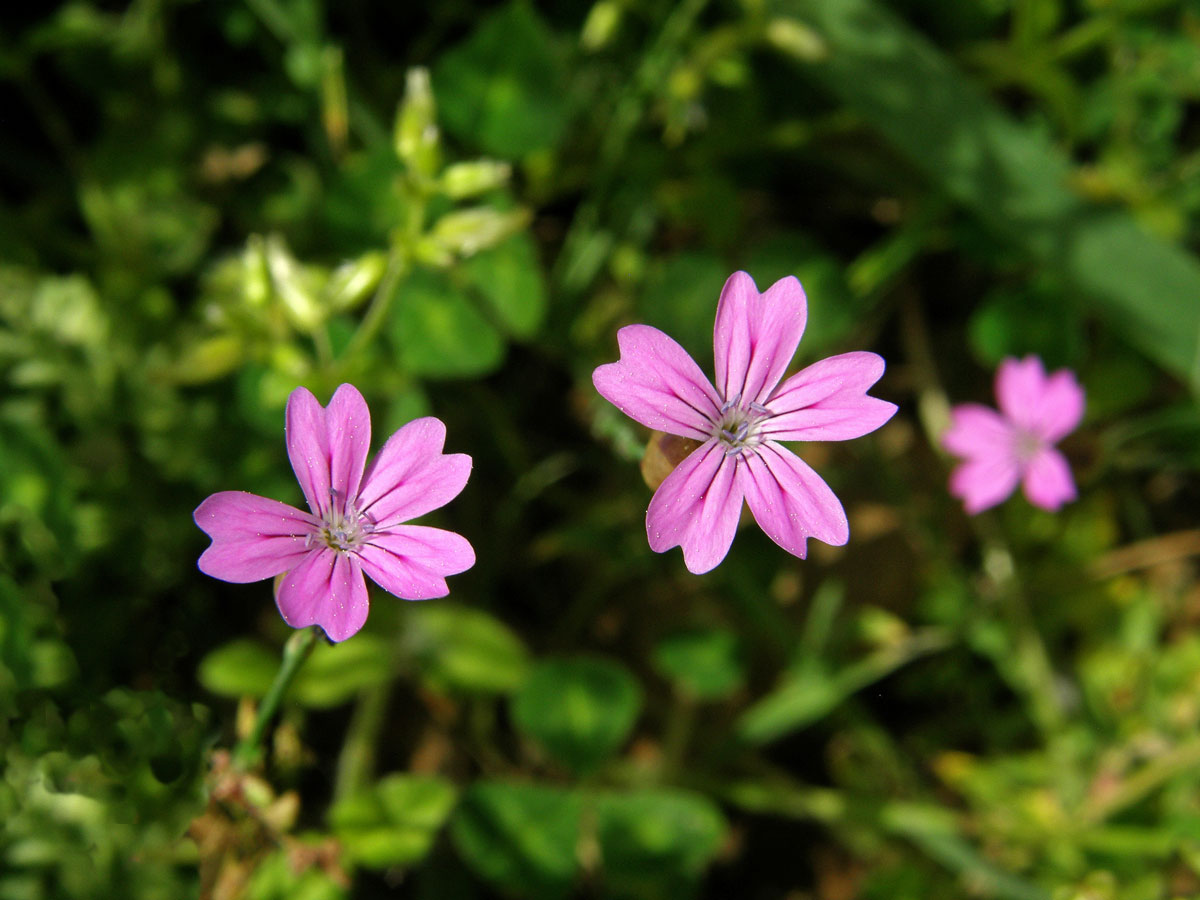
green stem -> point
(295, 652)
(356, 763)
(397, 268)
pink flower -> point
(741, 421)
(1017, 443)
(356, 519)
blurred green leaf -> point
(463, 649)
(809, 692)
(242, 668)
(1011, 322)
(335, 673)
(1008, 175)
(501, 88)
(706, 663)
(277, 878)
(580, 710)
(395, 821)
(509, 279)
(655, 844)
(438, 332)
(332, 675)
(521, 837)
(680, 297)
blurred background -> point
(454, 206)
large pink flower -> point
(741, 421)
(1016, 444)
(356, 519)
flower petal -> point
(1048, 482)
(412, 561)
(984, 481)
(697, 508)
(308, 448)
(253, 537)
(790, 501)
(349, 427)
(978, 431)
(827, 401)
(657, 383)
(411, 476)
(327, 589)
(1061, 407)
(756, 335)
(1049, 407)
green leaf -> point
(680, 297)
(1008, 175)
(462, 649)
(520, 837)
(330, 677)
(394, 822)
(1020, 322)
(509, 279)
(655, 844)
(580, 710)
(438, 332)
(810, 692)
(502, 88)
(335, 673)
(706, 663)
(242, 668)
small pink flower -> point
(741, 421)
(356, 519)
(1016, 444)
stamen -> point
(730, 451)
(728, 435)
(741, 432)
(730, 404)
(759, 408)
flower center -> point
(1026, 445)
(343, 531)
(738, 426)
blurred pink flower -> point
(1016, 444)
(741, 421)
(356, 519)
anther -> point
(728, 435)
(730, 404)
(759, 408)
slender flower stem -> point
(397, 268)
(295, 652)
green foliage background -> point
(454, 206)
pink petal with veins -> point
(790, 501)
(697, 508)
(756, 335)
(827, 401)
(410, 475)
(657, 383)
(349, 438)
(327, 589)
(253, 537)
(308, 448)
(412, 561)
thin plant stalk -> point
(295, 652)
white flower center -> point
(343, 531)
(737, 428)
